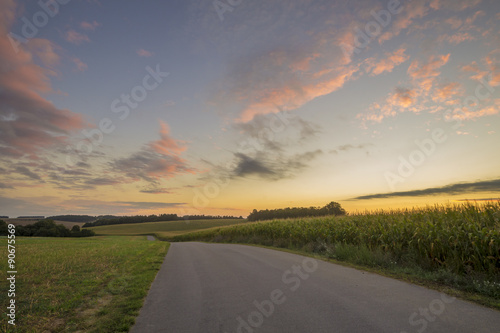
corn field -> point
(464, 239)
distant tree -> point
(48, 228)
(73, 218)
(87, 233)
(333, 208)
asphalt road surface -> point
(234, 288)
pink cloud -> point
(454, 22)
(303, 64)
(466, 114)
(490, 69)
(80, 65)
(89, 25)
(144, 53)
(156, 160)
(167, 145)
(389, 63)
(44, 50)
(472, 67)
(429, 69)
(492, 60)
(447, 92)
(75, 37)
(424, 76)
(29, 122)
(455, 5)
(289, 96)
(456, 38)
(411, 11)
(401, 100)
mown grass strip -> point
(167, 228)
(94, 284)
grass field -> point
(93, 284)
(163, 230)
(449, 246)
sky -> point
(221, 107)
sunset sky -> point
(220, 107)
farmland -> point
(94, 284)
(165, 229)
(17, 221)
(454, 246)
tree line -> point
(152, 218)
(333, 208)
(74, 218)
(46, 228)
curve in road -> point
(235, 288)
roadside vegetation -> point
(95, 284)
(441, 246)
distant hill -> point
(153, 218)
(73, 218)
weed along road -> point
(235, 288)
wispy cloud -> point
(27, 172)
(265, 75)
(271, 147)
(89, 25)
(75, 37)
(452, 189)
(350, 147)
(272, 167)
(268, 132)
(156, 191)
(411, 11)
(448, 93)
(423, 70)
(103, 181)
(49, 205)
(468, 113)
(45, 50)
(423, 77)
(167, 145)
(291, 95)
(389, 63)
(157, 160)
(144, 53)
(454, 5)
(80, 65)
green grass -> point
(163, 230)
(95, 284)
(442, 246)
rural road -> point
(234, 288)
